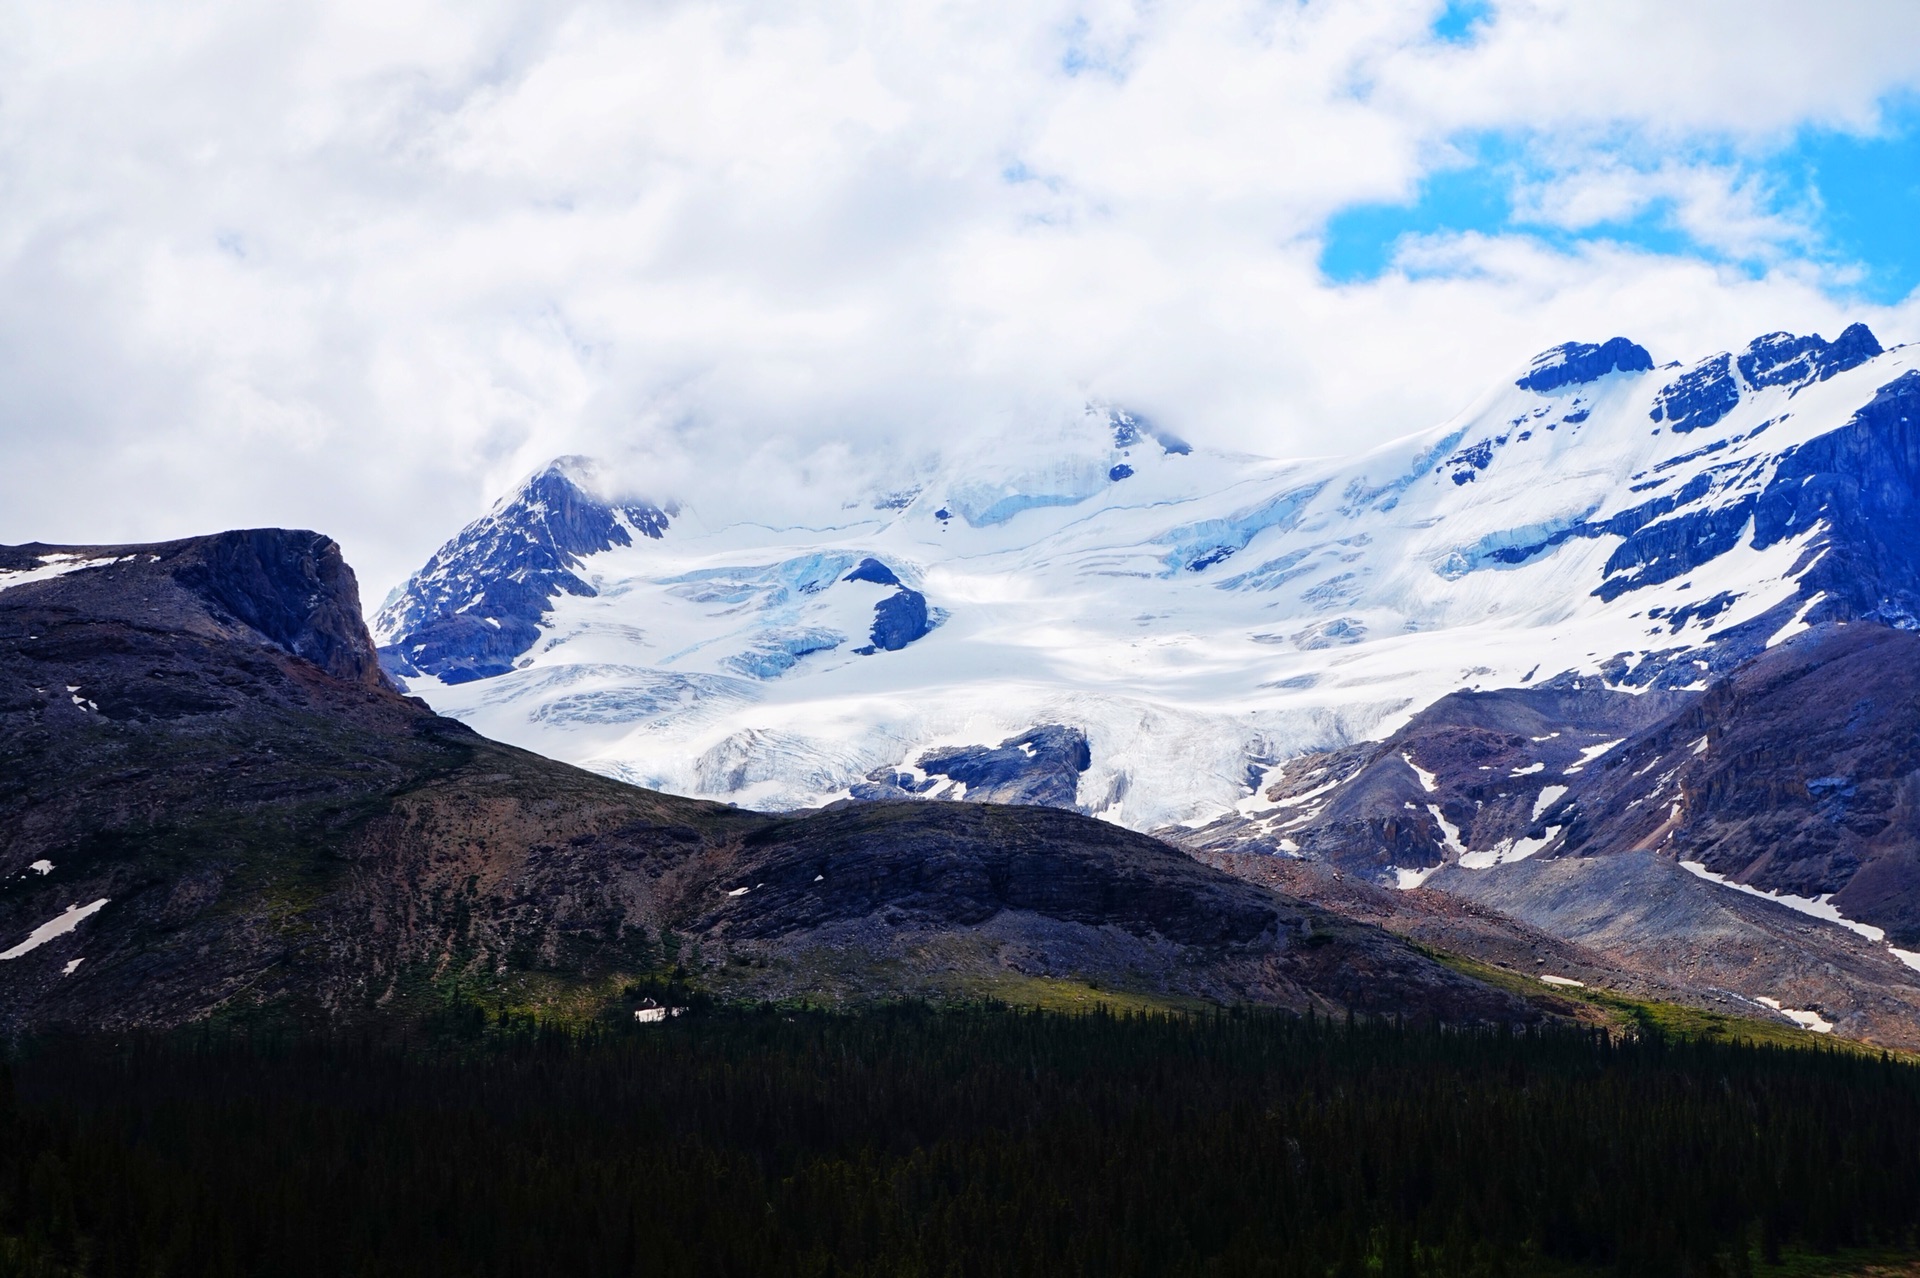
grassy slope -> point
(1593, 1005)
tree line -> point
(917, 1141)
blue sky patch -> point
(1861, 195)
(1458, 18)
(1867, 192)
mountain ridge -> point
(1562, 529)
(199, 818)
(1421, 667)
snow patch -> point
(1449, 832)
(1566, 982)
(1427, 781)
(1819, 907)
(41, 867)
(1805, 1020)
(54, 566)
(1507, 851)
(60, 926)
(1799, 624)
(1549, 795)
(1591, 753)
(1529, 770)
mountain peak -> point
(477, 604)
(1779, 359)
(1574, 363)
(288, 588)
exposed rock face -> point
(1466, 773)
(210, 802)
(476, 605)
(1782, 359)
(1572, 811)
(1644, 911)
(1699, 397)
(1799, 774)
(1574, 363)
(294, 588)
(1041, 767)
(1708, 391)
(898, 619)
(291, 589)
(1863, 482)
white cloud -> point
(1721, 207)
(356, 265)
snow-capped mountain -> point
(1167, 624)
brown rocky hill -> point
(211, 803)
(1588, 815)
(1798, 773)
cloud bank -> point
(357, 266)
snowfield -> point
(1199, 616)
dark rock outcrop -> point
(478, 603)
(1863, 482)
(1800, 773)
(899, 619)
(292, 587)
(1039, 767)
(1706, 393)
(872, 570)
(1574, 363)
(1699, 397)
(1782, 359)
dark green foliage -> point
(981, 1141)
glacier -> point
(1196, 616)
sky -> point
(360, 266)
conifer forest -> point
(978, 1140)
